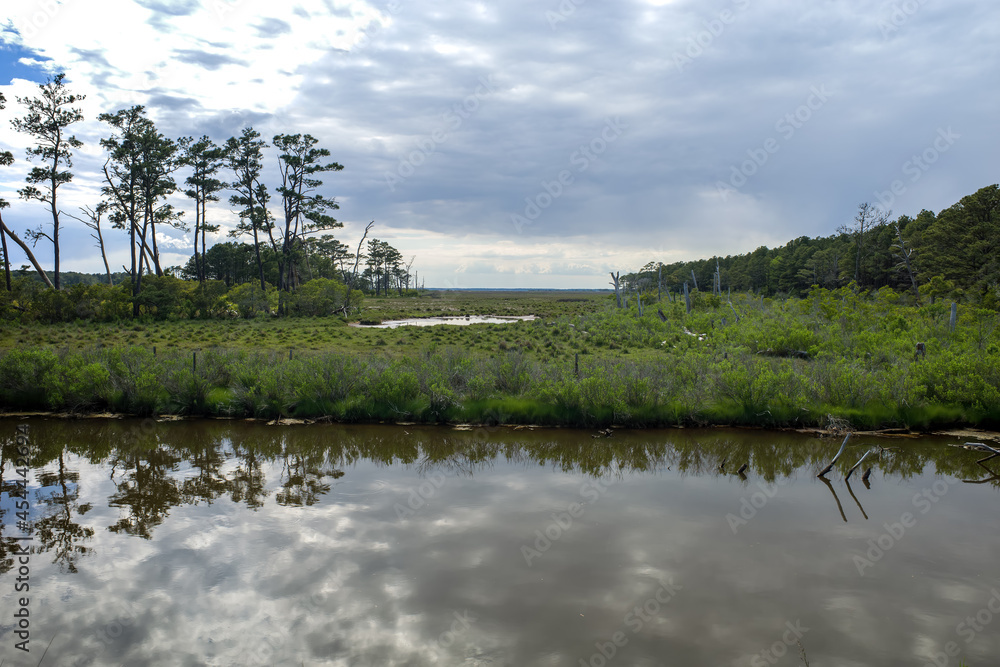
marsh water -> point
(240, 543)
(456, 320)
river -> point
(239, 543)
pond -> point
(434, 321)
(239, 543)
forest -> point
(141, 182)
(953, 254)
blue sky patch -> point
(11, 66)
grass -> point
(758, 362)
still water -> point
(235, 543)
(456, 320)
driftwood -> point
(834, 461)
(743, 469)
(860, 461)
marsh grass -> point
(791, 362)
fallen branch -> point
(834, 461)
(860, 461)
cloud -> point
(395, 91)
(210, 61)
(272, 27)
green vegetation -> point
(772, 362)
(949, 255)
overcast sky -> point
(541, 144)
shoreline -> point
(959, 432)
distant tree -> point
(92, 218)
(964, 243)
(205, 160)
(904, 252)
(305, 211)
(137, 182)
(47, 121)
(868, 218)
(244, 157)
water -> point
(235, 543)
(433, 321)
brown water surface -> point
(235, 543)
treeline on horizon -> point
(140, 180)
(954, 254)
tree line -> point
(140, 178)
(954, 254)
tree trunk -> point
(55, 232)
(27, 251)
(6, 257)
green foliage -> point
(249, 300)
(320, 296)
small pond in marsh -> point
(236, 543)
(457, 320)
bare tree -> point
(92, 218)
(905, 253)
(867, 218)
(615, 279)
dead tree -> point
(27, 251)
(92, 218)
(614, 281)
(905, 255)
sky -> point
(537, 144)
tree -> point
(305, 211)
(868, 218)
(205, 160)
(47, 120)
(964, 243)
(905, 253)
(92, 218)
(137, 182)
(244, 155)
(7, 158)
